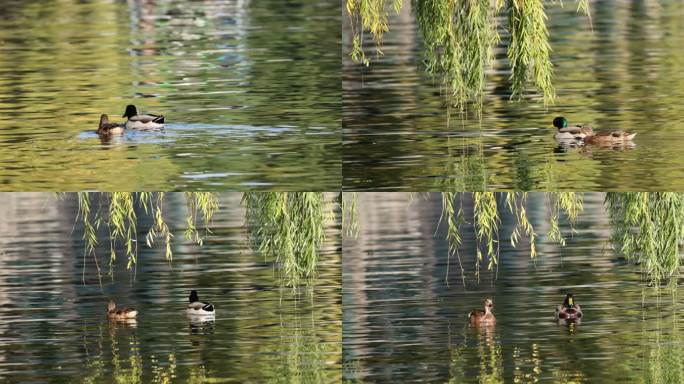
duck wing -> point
(108, 126)
(476, 312)
(197, 305)
(580, 129)
(147, 119)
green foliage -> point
(350, 215)
(459, 38)
(648, 228)
(487, 216)
(117, 212)
(288, 226)
(454, 219)
(529, 48)
(569, 203)
(486, 222)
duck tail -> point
(159, 119)
(209, 307)
(630, 136)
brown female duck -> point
(479, 317)
(120, 314)
(609, 137)
(107, 128)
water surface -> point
(52, 311)
(250, 90)
(405, 306)
(621, 69)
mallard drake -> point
(120, 314)
(609, 137)
(575, 132)
(568, 311)
(480, 317)
(136, 121)
(197, 307)
(107, 128)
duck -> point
(120, 314)
(136, 121)
(107, 128)
(197, 307)
(575, 132)
(610, 137)
(480, 317)
(568, 311)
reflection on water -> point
(623, 71)
(406, 308)
(250, 89)
(53, 327)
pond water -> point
(251, 92)
(623, 69)
(53, 326)
(405, 317)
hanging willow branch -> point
(117, 212)
(459, 37)
(648, 229)
(290, 227)
(486, 220)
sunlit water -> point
(405, 317)
(53, 326)
(621, 69)
(250, 89)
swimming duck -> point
(136, 121)
(575, 132)
(197, 307)
(568, 311)
(609, 137)
(120, 314)
(107, 128)
(486, 317)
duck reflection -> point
(202, 325)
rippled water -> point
(405, 318)
(623, 69)
(53, 326)
(250, 90)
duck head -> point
(488, 304)
(111, 306)
(559, 122)
(193, 296)
(104, 119)
(130, 111)
(569, 301)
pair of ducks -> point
(195, 308)
(134, 121)
(566, 312)
(585, 133)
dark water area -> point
(405, 305)
(250, 90)
(53, 326)
(621, 69)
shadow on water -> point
(406, 308)
(622, 71)
(257, 65)
(53, 326)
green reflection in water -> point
(302, 355)
(243, 108)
